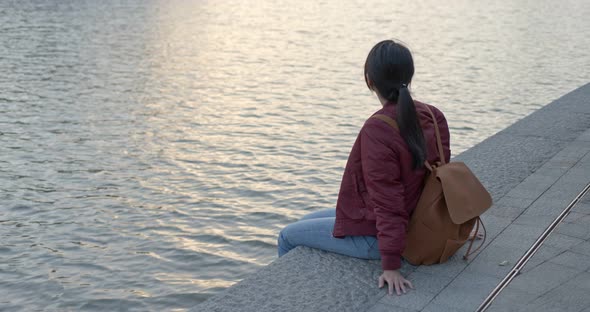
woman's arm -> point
(381, 173)
(382, 176)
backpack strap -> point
(437, 133)
(468, 253)
(388, 120)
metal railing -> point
(530, 252)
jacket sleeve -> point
(381, 172)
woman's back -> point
(412, 178)
(379, 160)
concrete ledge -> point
(531, 168)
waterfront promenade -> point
(533, 169)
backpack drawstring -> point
(467, 254)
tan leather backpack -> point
(450, 205)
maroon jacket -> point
(379, 189)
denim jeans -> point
(315, 230)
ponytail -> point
(389, 69)
(409, 126)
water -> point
(150, 151)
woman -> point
(384, 174)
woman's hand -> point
(394, 279)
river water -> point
(150, 151)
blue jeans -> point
(315, 230)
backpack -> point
(448, 208)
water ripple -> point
(151, 151)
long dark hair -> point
(389, 70)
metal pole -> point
(530, 252)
